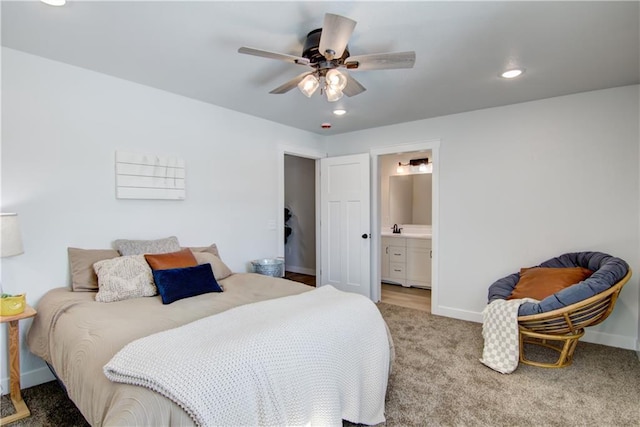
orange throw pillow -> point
(540, 282)
(180, 259)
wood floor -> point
(302, 278)
(416, 298)
(419, 299)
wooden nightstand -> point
(14, 365)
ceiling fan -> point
(326, 52)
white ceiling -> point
(190, 48)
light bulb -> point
(511, 74)
(336, 79)
(422, 167)
(399, 169)
(333, 94)
(308, 85)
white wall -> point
(300, 198)
(523, 183)
(61, 128)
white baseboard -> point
(456, 313)
(594, 337)
(611, 340)
(30, 379)
(300, 270)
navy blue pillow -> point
(178, 283)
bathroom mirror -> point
(410, 199)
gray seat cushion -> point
(608, 270)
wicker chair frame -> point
(560, 329)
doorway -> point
(300, 218)
(313, 167)
(405, 182)
(432, 146)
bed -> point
(77, 336)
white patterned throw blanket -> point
(310, 359)
(501, 337)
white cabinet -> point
(419, 263)
(394, 259)
(384, 260)
(406, 261)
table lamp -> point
(11, 243)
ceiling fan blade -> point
(381, 61)
(353, 87)
(286, 87)
(336, 31)
(274, 55)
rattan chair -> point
(558, 321)
(561, 329)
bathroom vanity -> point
(406, 259)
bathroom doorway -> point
(406, 221)
(381, 223)
(300, 218)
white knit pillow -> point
(123, 278)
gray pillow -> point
(141, 247)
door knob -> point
(365, 235)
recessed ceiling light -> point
(339, 112)
(54, 2)
(512, 74)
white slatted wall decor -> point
(147, 176)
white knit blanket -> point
(501, 336)
(310, 359)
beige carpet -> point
(438, 381)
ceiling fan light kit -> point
(325, 51)
(333, 93)
(308, 85)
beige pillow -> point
(220, 269)
(123, 278)
(83, 277)
(212, 249)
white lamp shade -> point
(11, 239)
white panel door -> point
(345, 223)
